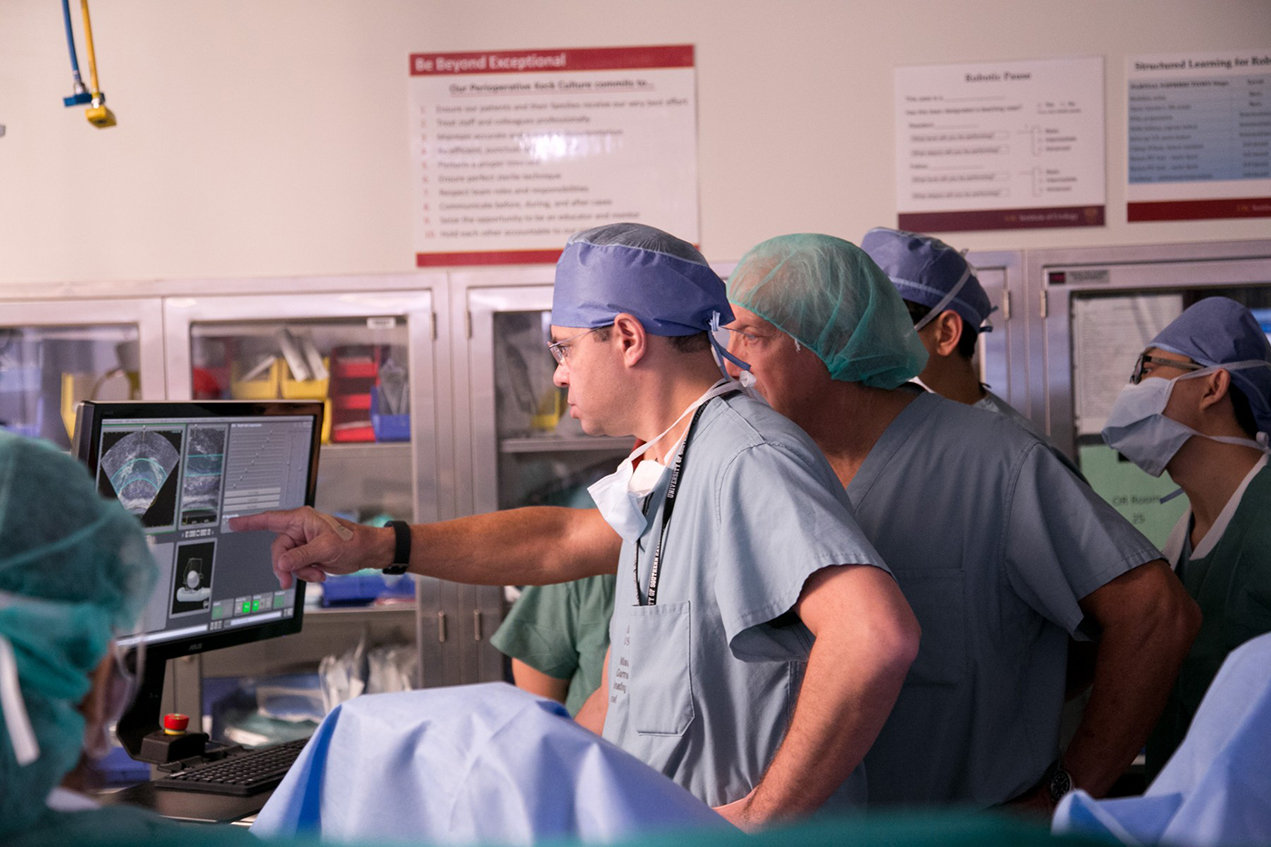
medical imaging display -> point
(192, 583)
(204, 471)
(138, 467)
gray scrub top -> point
(990, 402)
(702, 685)
(993, 542)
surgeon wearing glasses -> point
(1199, 406)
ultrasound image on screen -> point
(139, 468)
(204, 470)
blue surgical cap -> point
(74, 571)
(1220, 331)
(829, 296)
(660, 279)
(924, 271)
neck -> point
(1209, 472)
(665, 399)
(953, 377)
(848, 419)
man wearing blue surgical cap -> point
(1199, 406)
(949, 309)
(74, 572)
(1001, 550)
(758, 641)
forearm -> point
(866, 638)
(593, 712)
(1134, 670)
(532, 546)
(835, 722)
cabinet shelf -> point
(577, 443)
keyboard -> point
(239, 774)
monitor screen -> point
(184, 469)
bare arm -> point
(1148, 624)
(532, 546)
(531, 679)
(593, 712)
(866, 639)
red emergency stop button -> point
(175, 724)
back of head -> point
(1220, 331)
(830, 296)
(74, 570)
(626, 267)
(930, 273)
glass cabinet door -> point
(55, 355)
(368, 357)
(528, 451)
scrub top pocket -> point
(661, 687)
(936, 597)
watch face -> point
(1060, 784)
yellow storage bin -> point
(304, 389)
(263, 387)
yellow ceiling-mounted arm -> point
(98, 115)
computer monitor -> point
(184, 469)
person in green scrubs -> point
(1199, 406)
(557, 637)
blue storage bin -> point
(362, 588)
(388, 427)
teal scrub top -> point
(563, 631)
(994, 542)
(703, 685)
(1231, 582)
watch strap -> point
(401, 550)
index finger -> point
(275, 521)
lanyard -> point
(666, 519)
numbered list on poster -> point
(515, 151)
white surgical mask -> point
(1138, 429)
(620, 495)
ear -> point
(631, 338)
(1217, 386)
(948, 332)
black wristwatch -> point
(1058, 782)
(401, 552)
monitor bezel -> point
(88, 423)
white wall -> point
(270, 137)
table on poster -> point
(515, 151)
(1199, 136)
(1000, 145)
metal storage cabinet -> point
(54, 354)
(362, 328)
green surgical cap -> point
(829, 296)
(74, 571)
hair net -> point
(926, 271)
(1220, 331)
(833, 299)
(662, 280)
(74, 570)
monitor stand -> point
(140, 734)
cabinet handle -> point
(476, 624)
(441, 627)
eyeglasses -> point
(724, 335)
(1144, 359)
(560, 349)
